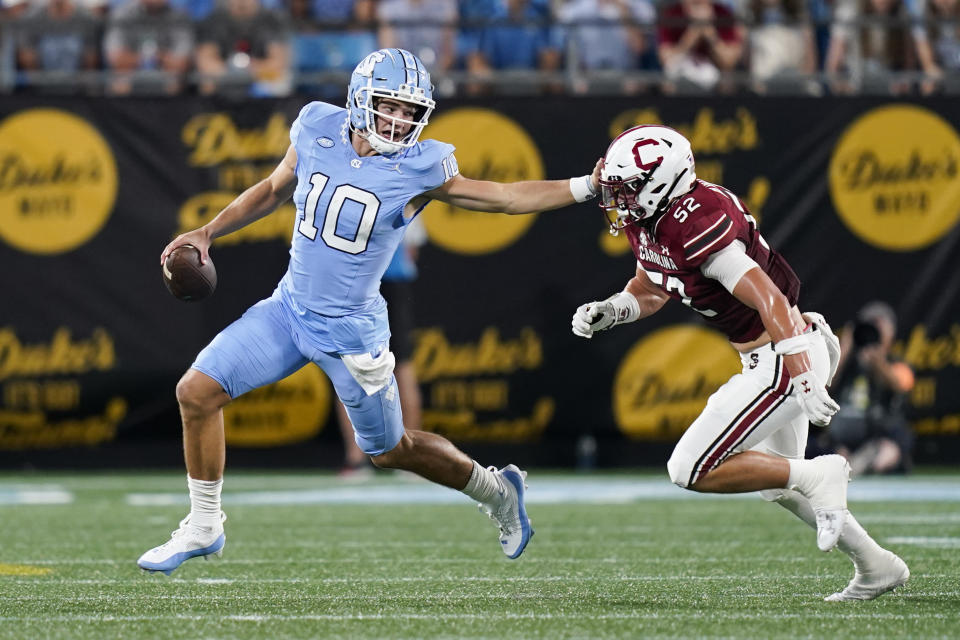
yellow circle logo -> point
(489, 146)
(58, 181)
(893, 177)
(664, 381)
(285, 412)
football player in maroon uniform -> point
(696, 242)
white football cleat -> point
(885, 574)
(828, 497)
(830, 523)
(186, 542)
(509, 512)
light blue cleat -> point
(186, 542)
(510, 513)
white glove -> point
(833, 342)
(593, 316)
(599, 315)
(814, 399)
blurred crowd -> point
(279, 47)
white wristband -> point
(582, 188)
(792, 345)
(626, 306)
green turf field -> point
(341, 565)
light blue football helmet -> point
(395, 74)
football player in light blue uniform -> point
(358, 177)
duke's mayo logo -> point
(58, 181)
(707, 133)
(489, 146)
(893, 177)
(664, 381)
(292, 410)
(215, 139)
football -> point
(185, 277)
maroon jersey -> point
(700, 223)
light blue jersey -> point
(350, 211)
(328, 309)
(328, 305)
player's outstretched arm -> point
(786, 328)
(253, 204)
(528, 196)
(639, 299)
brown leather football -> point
(185, 277)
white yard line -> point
(913, 518)
(925, 541)
(34, 495)
(216, 582)
(400, 615)
(547, 489)
(550, 489)
(599, 490)
(394, 560)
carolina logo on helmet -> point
(365, 68)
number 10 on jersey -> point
(356, 244)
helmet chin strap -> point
(665, 201)
(381, 146)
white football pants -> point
(756, 409)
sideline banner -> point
(862, 196)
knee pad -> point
(377, 420)
(679, 468)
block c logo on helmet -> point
(646, 166)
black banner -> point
(861, 196)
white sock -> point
(483, 486)
(799, 478)
(855, 542)
(205, 502)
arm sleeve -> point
(728, 265)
